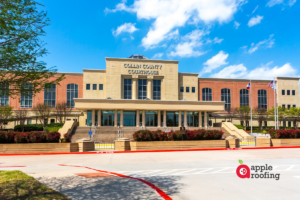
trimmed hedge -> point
(279, 134)
(30, 137)
(201, 134)
(39, 127)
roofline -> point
(70, 73)
(291, 78)
(232, 79)
(141, 60)
(188, 73)
(94, 70)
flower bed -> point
(200, 134)
(31, 137)
(281, 134)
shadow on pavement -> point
(77, 187)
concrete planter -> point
(177, 145)
(285, 142)
(24, 148)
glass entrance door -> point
(149, 120)
(190, 120)
(108, 119)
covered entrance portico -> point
(146, 113)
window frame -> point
(181, 89)
(50, 96)
(293, 92)
(288, 92)
(187, 89)
(244, 96)
(226, 96)
(94, 86)
(282, 92)
(193, 89)
(262, 98)
(4, 99)
(71, 94)
(88, 86)
(206, 94)
(100, 86)
(156, 93)
(127, 88)
(26, 98)
(142, 88)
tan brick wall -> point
(94, 77)
(288, 84)
(188, 80)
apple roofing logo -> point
(243, 171)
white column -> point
(159, 119)
(137, 123)
(121, 118)
(116, 118)
(205, 119)
(144, 118)
(134, 88)
(179, 119)
(185, 119)
(99, 117)
(93, 117)
(165, 118)
(149, 88)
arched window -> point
(50, 95)
(262, 99)
(26, 95)
(72, 92)
(225, 96)
(4, 97)
(206, 94)
(244, 97)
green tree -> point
(21, 26)
(261, 115)
(42, 112)
(5, 113)
(282, 113)
(243, 113)
(294, 115)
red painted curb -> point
(159, 191)
(149, 151)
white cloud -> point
(254, 10)
(216, 40)
(127, 27)
(267, 43)
(255, 20)
(170, 14)
(236, 24)
(233, 71)
(214, 63)
(158, 55)
(189, 47)
(272, 3)
(262, 72)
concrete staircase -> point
(228, 127)
(109, 134)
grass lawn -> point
(18, 185)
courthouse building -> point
(136, 91)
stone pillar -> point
(137, 122)
(121, 118)
(134, 88)
(165, 119)
(93, 117)
(205, 119)
(149, 88)
(159, 119)
(200, 119)
(144, 118)
(99, 117)
(179, 119)
(185, 119)
(116, 118)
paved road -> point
(181, 175)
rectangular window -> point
(127, 89)
(283, 105)
(156, 89)
(294, 106)
(181, 89)
(284, 123)
(26, 97)
(293, 92)
(288, 107)
(288, 92)
(94, 86)
(283, 92)
(88, 86)
(29, 121)
(52, 121)
(193, 89)
(187, 89)
(265, 123)
(142, 89)
(289, 124)
(100, 86)
(50, 95)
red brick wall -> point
(61, 92)
(235, 88)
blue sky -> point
(256, 39)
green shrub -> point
(239, 126)
(29, 127)
(55, 125)
(51, 129)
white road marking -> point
(201, 172)
(182, 173)
(297, 176)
